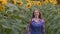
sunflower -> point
(46, 1)
(2, 8)
(19, 3)
(1, 2)
(28, 5)
(14, 1)
(51, 1)
(5, 2)
(55, 2)
(38, 3)
(28, 1)
(33, 2)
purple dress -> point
(36, 28)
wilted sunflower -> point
(58, 11)
(28, 5)
(6, 15)
(39, 3)
(19, 3)
(14, 1)
(2, 8)
(46, 1)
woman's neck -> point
(36, 17)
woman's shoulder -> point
(42, 20)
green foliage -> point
(14, 19)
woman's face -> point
(36, 13)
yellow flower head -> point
(38, 3)
(46, 1)
(28, 1)
(14, 1)
(20, 3)
(55, 2)
(3, 2)
(28, 5)
(2, 8)
(33, 2)
(51, 1)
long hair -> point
(40, 15)
(33, 16)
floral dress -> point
(36, 28)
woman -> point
(36, 23)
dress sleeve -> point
(44, 32)
(29, 28)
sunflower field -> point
(14, 15)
